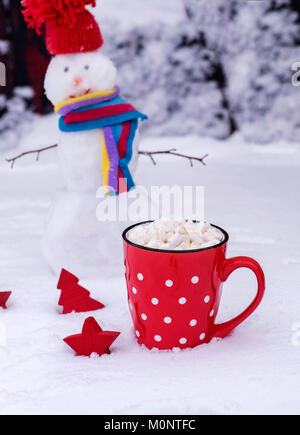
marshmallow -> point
(176, 240)
(176, 235)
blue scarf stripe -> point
(117, 131)
(128, 156)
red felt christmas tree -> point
(4, 298)
(75, 298)
(92, 339)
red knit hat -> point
(70, 28)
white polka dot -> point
(202, 336)
(143, 316)
(169, 283)
(130, 305)
(211, 313)
(182, 340)
(195, 280)
(140, 276)
(193, 322)
(206, 299)
(137, 333)
(134, 290)
(167, 320)
(154, 301)
(182, 301)
(157, 338)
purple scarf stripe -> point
(112, 151)
(79, 104)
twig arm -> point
(150, 154)
(26, 153)
(173, 152)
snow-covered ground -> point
(253, 192)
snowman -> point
(98, 141)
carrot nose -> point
(77, 80)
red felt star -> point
(74, 297)
(4, 298)
(92, 339)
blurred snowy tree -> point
(193, 86)
(263, 44)
(171, 75)
(256, 43)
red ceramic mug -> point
(174, 296)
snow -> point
(145, 12)
(252, 192)
(4, 46)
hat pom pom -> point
(38, 12)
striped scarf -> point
(119, 122)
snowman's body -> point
(74, 238)
(80, 157)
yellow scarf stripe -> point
(83, 98)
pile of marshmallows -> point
(175, 234)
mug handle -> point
(229, 266)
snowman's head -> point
(75, 75)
